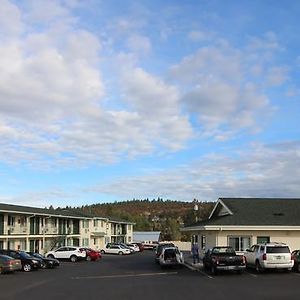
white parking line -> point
(251, 274)
(297, 274)
(198, 270)
(124, 275)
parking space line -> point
(125, 275)
(297, 274)
(198, 270)
(251, 274)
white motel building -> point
(31, 229)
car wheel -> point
(73, 258)
(120, 253)
(88, 258)
(44, 265)
(0, 270)
(258, 268)
(102, 252)
(27, 268)
(298, 268)
(50, 256)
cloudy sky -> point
(106, 101)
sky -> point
(104, 101)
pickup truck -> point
(223, 259)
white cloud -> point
(261, 171)
(140, 45)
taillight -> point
(264, 257)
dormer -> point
(220, 210)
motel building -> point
(38, 229)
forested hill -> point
(166, 216)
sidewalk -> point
(188, 261)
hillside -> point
(166, 216)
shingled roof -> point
(42, 211)
(254, 212)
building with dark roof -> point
(242, 222)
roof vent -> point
(278, 214)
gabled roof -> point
(254, 212)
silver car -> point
(269, 256)
(171, 256)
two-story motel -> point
(31, 229)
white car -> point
(134, 247)
(115, 249)
(171, 256)
(68, 252)
(269, 256)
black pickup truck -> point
(223, 259)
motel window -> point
(239, 243)
(263, 239)
(11, 221)
(203, 241)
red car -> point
(92, 254)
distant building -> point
(148, 238)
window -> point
(11, 221)
(95, 223)
(263, 239)
(203, 241)
(239, 243)
(85, 242)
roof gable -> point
(220, 210)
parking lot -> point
(137, 276)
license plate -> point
(278, 257)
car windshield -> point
(283, 249)
(24, 254)
(38, 255)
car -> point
(140, 245)
(223, 258)
(67, 252)
(9, 264)
(269, 256)
(134, 247)
(48, 263)
(91, 254)
(171, 256)
(159, 248)
(115, 249)
(28, 262)
(296, 259)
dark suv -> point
(29, 263)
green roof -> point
(255, 212)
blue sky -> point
(106, 101)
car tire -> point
(0, 270)
(102, 252)
(120, 253)
(50, 256)
(258, 267)
(73, 258)
(44, 265)
(88, 258)
(27, 268)
(298, 268)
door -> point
(251, 255)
